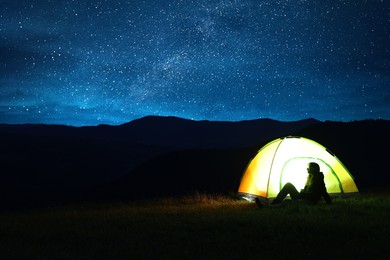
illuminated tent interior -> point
(285, 160)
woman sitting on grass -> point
(313, 191)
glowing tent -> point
(285, 160)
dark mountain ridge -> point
(162, 156)
(169, 131)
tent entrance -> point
(294, 171)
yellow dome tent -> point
(285, 160)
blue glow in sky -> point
(92, 62)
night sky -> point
(109, 62)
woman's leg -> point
(288, 188)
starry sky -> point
(90, 62)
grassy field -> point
(200, 227)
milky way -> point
(95, 62)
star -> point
(91, 62)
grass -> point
(200, 227)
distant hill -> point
(159, 156)
(173, 132)
(56, 162)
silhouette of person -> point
(312, 192)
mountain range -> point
(168, 131)
(166, 156)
